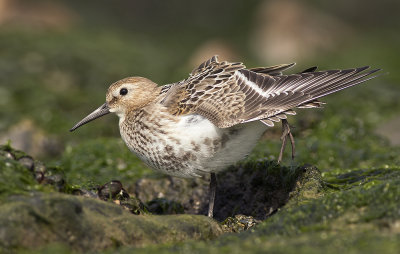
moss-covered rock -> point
(358, 216)
(304, 210)
(84, 224)
(100, 160)
(21, 174)
(33, 212)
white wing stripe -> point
(252, 85)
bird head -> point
(122, 96)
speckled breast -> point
(187, 146)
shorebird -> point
(214, 118)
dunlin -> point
(214, 118)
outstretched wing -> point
(228, 94)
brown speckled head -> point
(125, 95)
(130, 94)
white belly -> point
(194, 146)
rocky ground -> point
(260, 205)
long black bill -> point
(101, 111)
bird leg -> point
(286, 133)
(213, 188)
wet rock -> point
(27, 161)
(55, 177)
(91, 224)
(110, 190)
(7, 155)
(40, 167)
(39, 172)
(14, 177)
(113, 191)
(23, 173)
(239, 223)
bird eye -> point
(123, 91)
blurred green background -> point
(58, 57)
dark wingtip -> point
(311, 69)
(363, 68)
(369, 72)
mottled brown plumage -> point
(228, 94)
(214, 118)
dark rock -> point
(14, 177)
(40, 167)
(39, 176)
(7, 154)
(114, 192)
(27, 161)
(39, 171)
(55, 177)
(110, 190)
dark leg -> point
(213, 187)
(286, 133)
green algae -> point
(344, 179)
(352, 220)
(354, 210)
(99, 160)
(341, 242)
(374, 204)
(16, 178)
(90, 225)
(343, 209)
(34, 214)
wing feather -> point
(228, 94)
